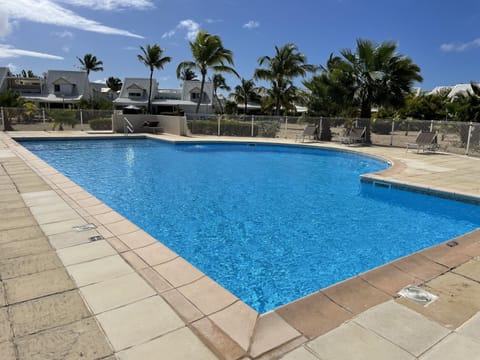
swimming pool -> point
(269, 223)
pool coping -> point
(228, 326)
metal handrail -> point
(127, 126)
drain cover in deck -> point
(84, 227)
(419, 295)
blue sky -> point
(442, 37)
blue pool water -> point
(269, 223)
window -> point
(134, 94)
(56, 88)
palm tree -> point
(114, 83)
(208, 52)
(219, 82)
(377, 75)
(152, 57)
(246, 92)
(187, 74)
(90, 63)
(280, 69)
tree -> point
(90, 63)
(246, 92)
(152, 57)
(219, 82)
(280, 70)
(187, 74)
(9, 100)
(376, 75)
(208, 53)
(114, 83)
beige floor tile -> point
(98, 270)
(471, 328)
(18, 222)
(300, 354)
(139, 322)
(47, 312)
(207, 295)
(117, 292)
(402, 326)
(179, 345)
(109, 217)
(470, 269)
(5, 329)
(271, 331)
(7, 349)
(187, 311)
(237, 321)
(33, 286)
(24, 248)
(71, 238)
(79, 340)
(121, 227)
(351, 341)
(61, 226)
(86, 252)
(57, 216)
(454, 346)
(26, 265)
(155, 280)
(179, 272)
(25, 233)
(6, 214)
(155, 254)
(137, 239)
(40, 198)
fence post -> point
(431, 125)
(470, 130)
(286, 126)
(253, 120)
(218, 131)
(81, 120)
(113, 130)
(3, 118)
(391, 133)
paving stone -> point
(80, 340)
(3, 299)
(351, 341)
(98, 270)
(470, 269)
(155, 280)
(420, 267)
(7, 351)
(300, 354)
(30, 264)
(61, 226)
(402, 326)
(25, 233)
(237, 321)
(471, 328)
(9, 198)
(283, 349)
(455, 346)
(120, 291)
(47, 312)
(17, 222)
(5, 329)
(271, 331)
(7, 214)
(179, 345)
(57, 216)
(71, 238)
(4, 205)
(314, 315)
(179, 272)
(24, 248)
(187, 311)
(139, 322)
(356, 295)
(86, 252)
(222, 344)
(36, 285)
(389, 279)
(156, 254)
(137, 239)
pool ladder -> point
(127, 126)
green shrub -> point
(381, 126)
(100, 124)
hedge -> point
(101, 124)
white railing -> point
(127, 126)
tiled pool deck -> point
(127, 296)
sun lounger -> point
(355, 135)
(426, 140)
(310, 131)
(152, 126)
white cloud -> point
(191, 26)
(13, 68)
(212, 21)
(5, 26)
(251, 25)
(65, 48)
(112, 4)
(459, 47)
(49, 12)
(63, 34)
(8, 51)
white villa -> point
(134, 96)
